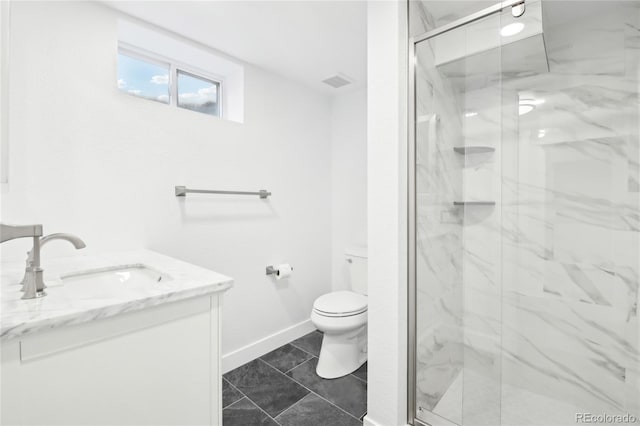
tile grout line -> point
(251, 401)
(315, 356)
(362, 380)
(294, 404)
(290, 378)
(265, 413)
(304, 350)
(298, 383)
(331, 403)
(315, 393)
(325, 400)
(239, 391)
(298, 401)
(292, 368)
(255, 405)
(308, 359)
(234, 403)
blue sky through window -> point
(198, 94)
(144, 79)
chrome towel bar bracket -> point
(182, 191)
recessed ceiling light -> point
(470, 114)
(511, 29)
(541, 133)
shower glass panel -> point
(526, 224)
(458, 115)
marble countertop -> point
(62, 307)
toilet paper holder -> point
(271, 270)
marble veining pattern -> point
(62, 307)
(528, 312)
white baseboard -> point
(257, 349)
(368, 422)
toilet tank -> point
(356, 257)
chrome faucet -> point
(33, 283)
(76, 241)
(35, 287)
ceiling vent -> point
(337, 81)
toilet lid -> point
(341, 302)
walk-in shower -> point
(524, 205)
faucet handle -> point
(10, 232)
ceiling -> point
(305, 41)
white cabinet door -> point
(159, 366)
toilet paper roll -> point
(283, 271)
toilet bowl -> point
(342, 317)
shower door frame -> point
(411, 197)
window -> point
(143, 78)
(199, 78)
(198, 94)
(164, 81)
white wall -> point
(4, 86)
(348, 179)
(89, 160)
(387, 196)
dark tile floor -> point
(282, 388)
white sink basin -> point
(113, 281)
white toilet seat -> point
(340, 304)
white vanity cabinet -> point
(158, 364)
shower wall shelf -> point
(474, 203)
(473, 149)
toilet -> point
(342, 316)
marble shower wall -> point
(571, 224)
(527, 311)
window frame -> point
(173, 66)
(179, 70)
(154, 61)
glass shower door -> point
(457, 268)
(527, 217)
